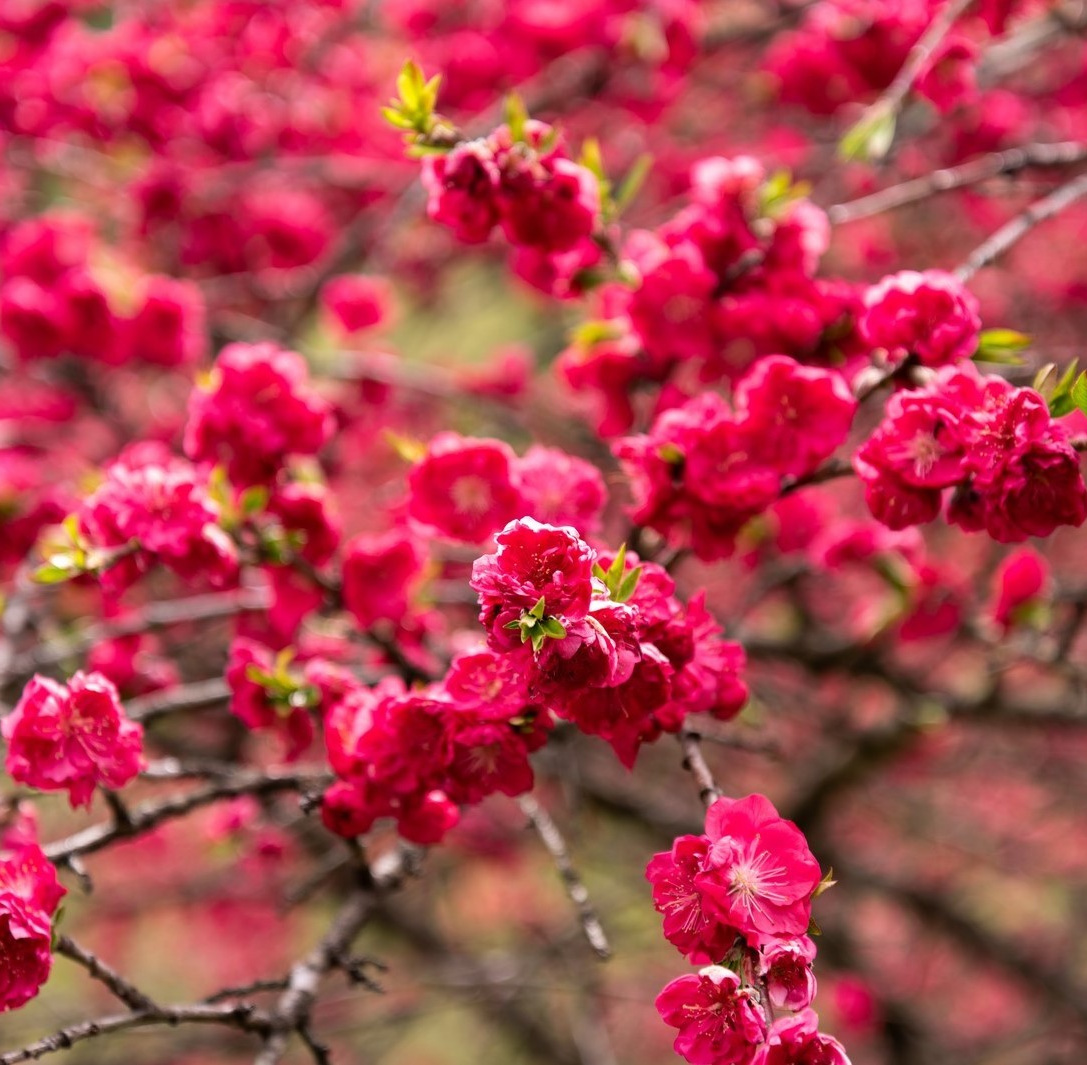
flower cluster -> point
(417, 756)
(524, 182)
(29, 897)
(153, 507)
(1013, 470)
(467, 489)
(849, 50)
(605, 646)
(74, 737)
(705, 470)
(256, 409)
(739, 897)
(729, 278)
(52, 303)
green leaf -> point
(1001, 346)
(410, 84)
(538, 610)
(254, 499)
(670, 453)
(598, 572)
(871, 138)
(553, 627)
(592, 159)
(1060, 399)
(52, 573)
(1079, 393)
(632, 183)
(629, 585)
(395, 117)
(516, 117)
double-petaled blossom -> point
(930, 315)
(153, 507)
(29, 897)
(705, 470)
(256, 409)
(534, 562)
(74, 737)
(417, 756)
(465, 488)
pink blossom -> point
(929, 315)
(74, 737)
(786, 968)
(266, 704)
(25, 938)
(797, 1041)
(760, 874)
(462, 189)
(718, 1020)
(533, 561)
(465, 488)
(701, 938)
(256, 410)
(379, 573)
(1019, 582)
(561, 489)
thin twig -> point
(1014, 231)
(972, 172)
(551, 837)
(695, 764)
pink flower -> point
(378, 575)
(355, 302)
(798, 1041)
(168, 327)
(1018, 583)
(465, 488)
(687, 927)
(930, 315)
(560, 489)
(533, 562)
(153, 507)
(462, 189)
(257, 410)
(73, 737)
(760, 874)
(25, 937)
(786, 968)
(719, 1022)
(551, 204)
(796, 416)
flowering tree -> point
(604, 418)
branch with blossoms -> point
(291, 605)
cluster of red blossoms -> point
(1013, 470)
(739, 897)
(526, 183)
(29, 897)
(610, 650)
(704, 470)
(52, 303)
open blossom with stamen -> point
(675, 895)
(718, 1020)
(760, 874)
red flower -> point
(760, 874)
(73, 737)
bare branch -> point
(552, 839)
